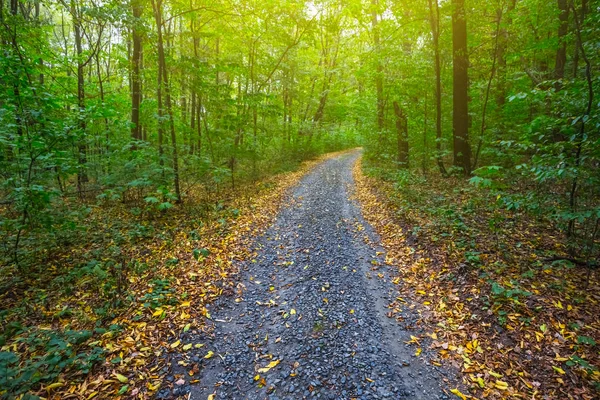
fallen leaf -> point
(269, 366)
(501, 385)
(559, 370)
(458, 393)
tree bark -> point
(402, 132)
(136, 92)
(434, 19)
(462, 149)
(82, 176)
(501, 52)
(157, 6)
(379, 71)
(563, 30)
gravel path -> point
(314, 300)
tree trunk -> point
(402, 132)
(488, 88)
(563, 30)
(157, 6)
(82, 176)
(434, 19)
(136, 92)
(501, 53)
(460, 123)
(379, 71)
(581, 135)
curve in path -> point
(314, 309)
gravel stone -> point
(338, 342)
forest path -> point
(313, 307)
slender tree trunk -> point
(136, 92)
(487, 90)
(581, 136)
(402, 136)
(462, 149)
(199, 126)
(82, 176)
(501, 52)
(583, 12)
(425, 122)
(379, 70)
(563, 30)
(434, 19)
(157, 6)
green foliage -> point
(56, 353)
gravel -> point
(315, 299)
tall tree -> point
(136, 91)
(563, 30)
(379, 68)
(164, 85)
(434, 21)
(460, 92)
(402, 136)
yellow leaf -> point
(269, 366)
(175, 344)
(418, 352)
(495, 374)
(256, 377)
(459, 394)
(121, 378)
(54, 386)
(292, 312)
(352, 311)
(158, 312)
(187, 347)
(501, 385)
(558, 304)
(209, 354)
(92, 395)
(539, 336)
(480, 382)
(559, 370)
(151, 387)
(211, 397)
(185, 304)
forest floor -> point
(318, 283)
(310, 314)
(490, 284)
